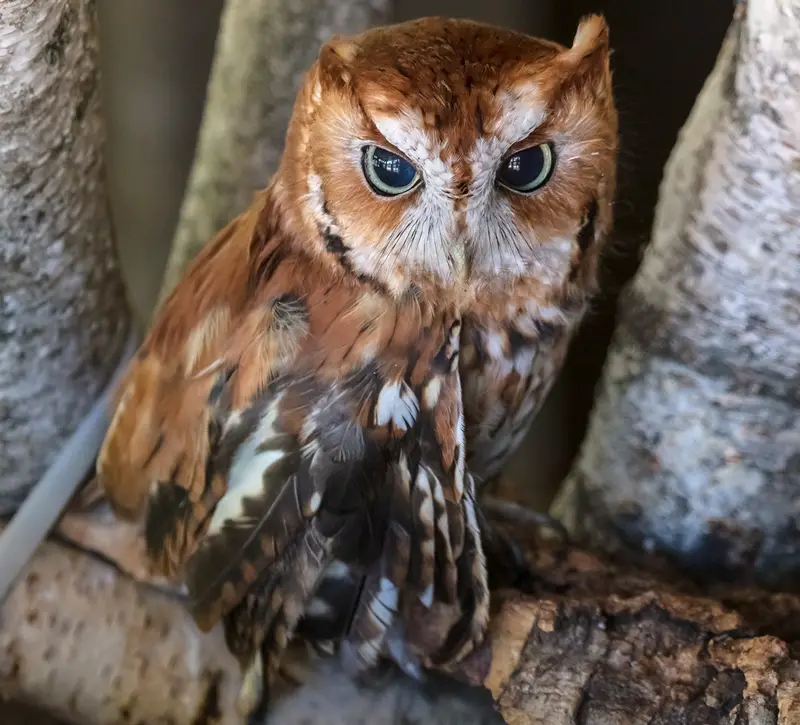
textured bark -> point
(694, 443)
(603, 645)
(63, 313)
(263, 49)
(592, 643)
(638, 661)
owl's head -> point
(457, 154)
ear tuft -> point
(335, 59)
(591, 37)
(588, 58)
(345, 48)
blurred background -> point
(156, 56)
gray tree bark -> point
(263, 50)
(694, 443)
(63, 312)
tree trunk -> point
(694, 443)
(63, 312)
(264, 48)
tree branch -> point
(86, 643)
(63, 312)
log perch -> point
(592, 642)
(600, 644)
(651, 658)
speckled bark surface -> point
(263, 49)
(63, 313)
(82, 641)
(593, 643)
(694, 443)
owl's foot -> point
(505, 559)
(517, 515)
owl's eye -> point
(527, 170)
(387, 173)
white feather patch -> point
(246, 477)
(204, 335)
(426, 512)
(337, 569)
(426, 598)
(318, 607)
(384, 606)
(458, 483)
(495, 344)
(431, 393)
(523, 112)
(397, 403)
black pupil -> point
(391, 169)
(523, 168)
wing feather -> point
(153, 462)
(272, 494)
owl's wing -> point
(152, 465)
(508, 367)
(278, 418)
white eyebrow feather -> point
(406, 131)
(523, 111)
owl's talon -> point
(513, 513)
(505, 559)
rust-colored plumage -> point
(304, 428)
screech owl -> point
(305, 429)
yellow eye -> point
(388, 174)
(527, 170)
